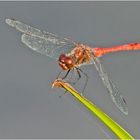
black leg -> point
(79, 70)
(63, 79)
(64, 76)
(58, 75)
(79, 76)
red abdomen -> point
(127, 47)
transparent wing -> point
(41, 41)
(115, 94)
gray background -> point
(29, 108)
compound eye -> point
(68, 60)
(62, 58)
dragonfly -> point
(72, 55)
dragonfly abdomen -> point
(127, 47)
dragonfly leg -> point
(79, 72)
(77, 79)
(63, 79)
(72, 83)
(58, 75)
(64, 76)
(86, 76)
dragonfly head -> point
(65, 62)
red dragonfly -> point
(72, 55)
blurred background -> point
(29, 107)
